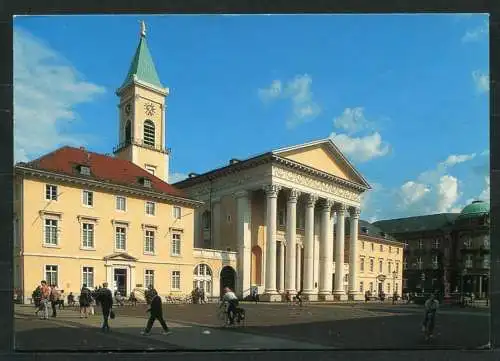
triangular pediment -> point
(323, 155)
(122, 256)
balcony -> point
(227, 256)
(140, 143)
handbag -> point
(112, 315)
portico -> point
(293, 210)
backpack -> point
(37, 293)
(86, 295)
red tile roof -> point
(102, 167)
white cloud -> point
(361, 149)
(476, 34)
(481, 80)
(46, 90)
(298, 91)
(412, 192)
(271, 92)
(176, 177)
(352, 120)
(447, 193)
(485, 194)
(455, 159)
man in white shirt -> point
(232, 301)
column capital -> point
(283, 242)
(241, 194)
(341, 209)
(327, 205)
(272, 190)
(354, 212)
(311, 200)
(293, 195)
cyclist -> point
(431, 306)
(232, 302)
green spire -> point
(142, 65)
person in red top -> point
(45, 299)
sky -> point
(405, 97)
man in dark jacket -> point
(156, 313)
(105, 299)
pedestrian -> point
(45, 299)
(37, 299)
(105, 299)
(156, 313)
(431, 306)
(55, 295)
(85, 299)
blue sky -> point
(404, 96)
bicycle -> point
(239, 314)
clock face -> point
(128, 108)
(150, 109)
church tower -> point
(142, 114)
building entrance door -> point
(120, 278)
(380, 288)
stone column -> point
(291, 249)
(339, 292)
(243, 231)
(309, 250)
(215, 219)
(282, 267)
(298, 264)
(353, 256)
(325, 264)
(270, 293)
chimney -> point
(192, 175)
(233, 161)
(82, 148)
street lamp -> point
(422, 277)
(394, 293)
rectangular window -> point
(362, 244)
(301, 219)
(397, 250)
(176, 280)
(88, 198)
(389, 267)
(435, 263)
(371, 264)
(396, 288)
(436, 244)
(486, 242)
(381, 248)
(420, 244)
(150, 208)
(84, 170)
(361, 264)
(468, 261)
(176, 244)
(419, 262)
(88, 276)
(371, 286)
(206, 220)
(121, 203)
(361, 286)
(486, 262)
(380, 266)
(121, 238)
(390, 249)
(468, 243)
(149, 241)
(397, 267)
(177, 212)
(373, 247)
(389, 288)
(149, 278)
(50, 192)
(51, 227)
(87, 235)
(51, 274)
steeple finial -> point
(143, 29)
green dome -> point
(476, 208)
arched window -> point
(149, 133)
(128, 132)
(202, 278)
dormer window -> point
(146, 182)
(84, 169)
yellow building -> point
(87, 218)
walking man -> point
(105, 299)
(45, 299)
(85, 299)
(156, 313)
(55, 295)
